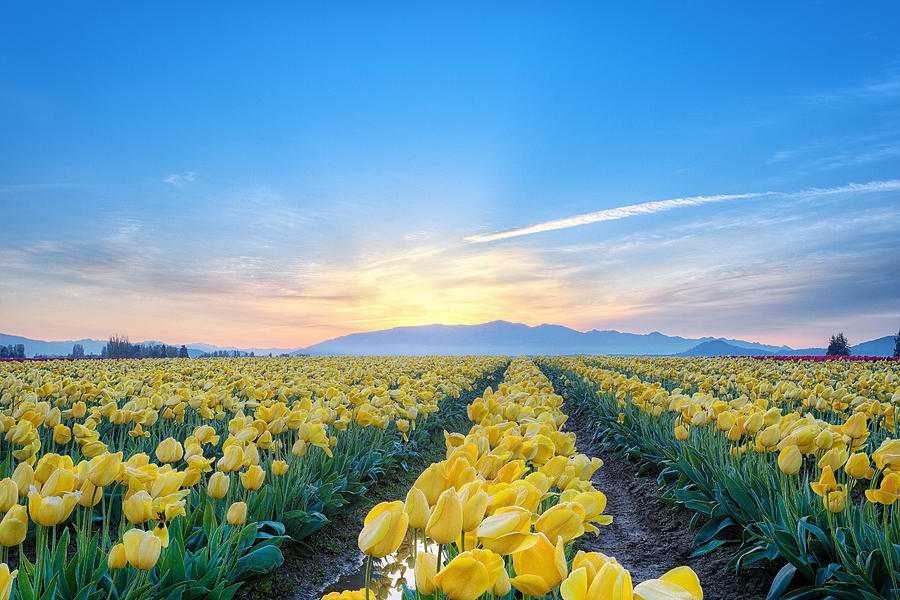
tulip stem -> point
(368, 574)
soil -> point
(314, 564)
(649, 536)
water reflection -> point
(389, 574)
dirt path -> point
(649, 536)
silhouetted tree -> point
(77, 351)
(4, 352)
(897, 344)
(838, 346)
(182, 352)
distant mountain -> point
(722, 348)
(92, 346)
(883, 346)
(497, 338)
(503, 337)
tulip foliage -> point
(497, 517)
(801, 457)
(181, 478)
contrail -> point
(646, 208)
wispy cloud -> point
(180, 179)
(647, 208)
(610, 214)
(888, 87)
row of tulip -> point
(498, 516)
(802, 458)
(179, 479)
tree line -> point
(12, 351)
(119, 347)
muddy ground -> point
(313, 565)
(649, 536)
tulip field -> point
(187, 478)
(795, 462)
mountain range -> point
(496, 337)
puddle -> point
(389, 574)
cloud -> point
(888, 87)
(647, 208)
(611, 214)
(180, 179)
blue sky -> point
(276, 177)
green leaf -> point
(781, 582)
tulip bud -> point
(117, 557)
(445, 523)
(425, 570)
(218, 485)
(14, 526)
(138, 507)
(253, 478)
(790, 460)
(61, 434)
(858, 467)
(279, 468)
(169, 450)
(383, 529)
(681, 433)
(416, 507)
(9, 494)
(237, 513)
(142, 548)
(24, 478)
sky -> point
(281, 175)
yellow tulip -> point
(416, 506)
(790, 459)
(469, 575)
(279, 468)
(432, 481)
(7, 579)
(887, 456)
(613, 582)
(681, 433)
(117, 558)
(9, 494)
(61, 434)
(858, 466)
(425, 570)
(51, 510)
(142, 548)
(24, 478)
(888, 492)
(169, 450)
(445, 523)
(346, 595)
(473, 510)
(563, 521)
(680, 583)
(507, 531)
(540, 568)
(218, 484)
(383, 529)
(836, 500)
(162, 532)
(232, 459)
(253, 478)
(826, 482)
(855, 426)
(106, 468)
(138, 507)
(237, 513)
(14, 526)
